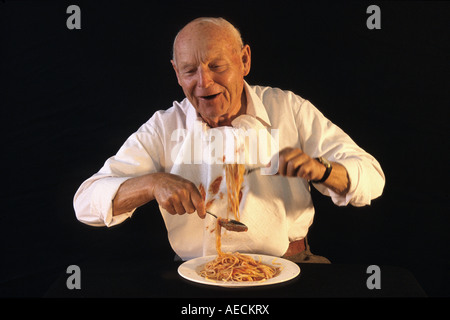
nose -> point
(204, 77)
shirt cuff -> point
(102, 197)
(352, 165)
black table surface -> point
(153, 278)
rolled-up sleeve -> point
(139, 155)
(320, 137)
(93, 201)
(366, 182)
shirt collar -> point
(192, 116)
(255, 108)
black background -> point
(70, 98)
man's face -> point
(210, 68)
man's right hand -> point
(177, 195)
(172, 192)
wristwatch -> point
(328, 169)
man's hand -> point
(178, 195)
(296, 163)
(172, 192)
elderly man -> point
(210, 62)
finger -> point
(170, 209)
(290, 161)
(196, 201)
(187, 204)
(305, 171)
(284, 156)
(292, 167)
(295, 164)
(179, 208)
(199, 204)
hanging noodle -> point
(234, 175)
(235, 266)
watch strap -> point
(328, 169)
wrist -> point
(327, 166)
(152, 180)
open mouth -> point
(210, 97)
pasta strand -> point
(235, 266)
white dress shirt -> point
(276, 209)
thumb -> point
(199, 204)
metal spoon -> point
(231, 225)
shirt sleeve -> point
(321, 138)
(139, 155)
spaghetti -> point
(235, 266)
(234, 175)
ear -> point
(246, 59)
(176, 71)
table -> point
(144, 278)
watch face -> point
(328, 164)
(325, 162)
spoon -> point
(231, 225)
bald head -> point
(210, 62)
(206, 28)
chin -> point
(211, 111)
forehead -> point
(203, 52)
(204, 44)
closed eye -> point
(219, 68)
(189, 71)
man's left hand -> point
(293, 162)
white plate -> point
(190, 270)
